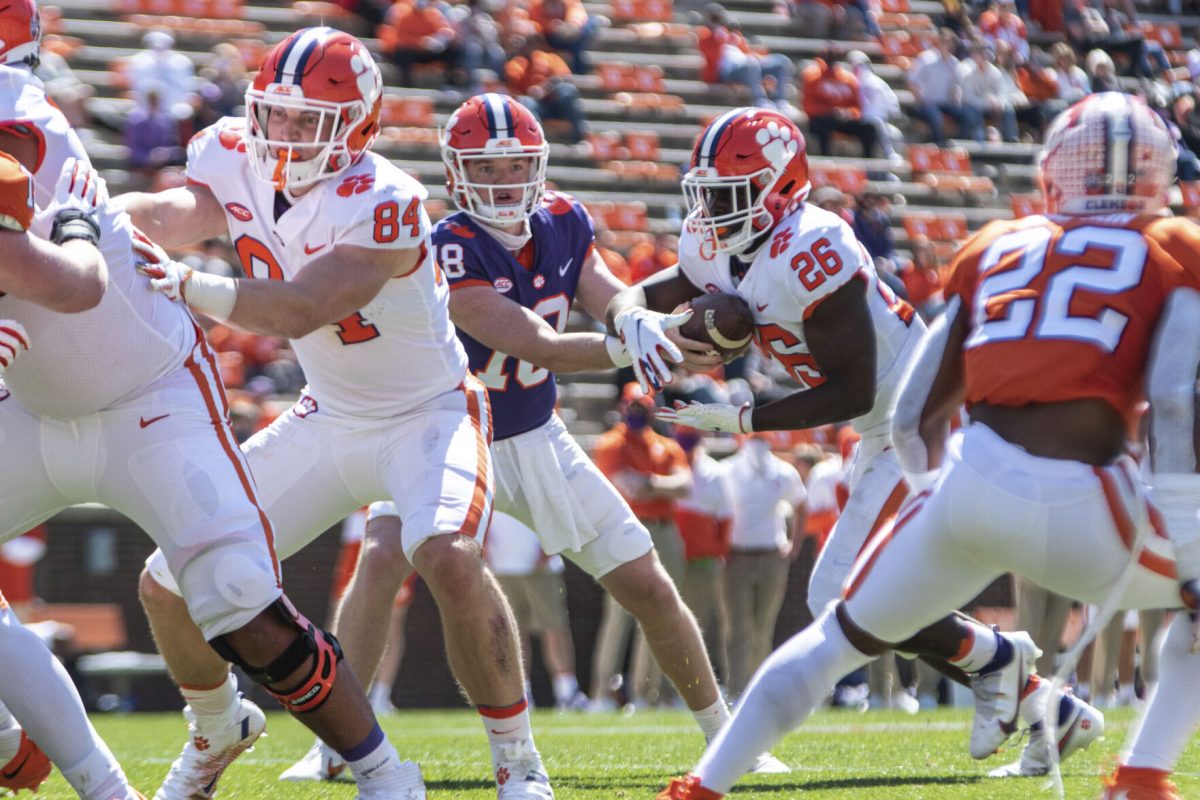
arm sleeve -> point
(912, 397)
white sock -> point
(367, 758)
(212, 705)
(10, 743)
(565, 687)
(506, 724)
(98, 776)
(712, 719)
(1170, 716)
(976, 653)
(788, 686)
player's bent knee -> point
(449, 562)
(153, 595)
(383, 552)
(312, 653)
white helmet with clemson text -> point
(487, 127)
(324, 83)
(1107, 153)
(749, 170)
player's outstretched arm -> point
(493, 320)
(176, 217)
(931, 393)
(841, 338)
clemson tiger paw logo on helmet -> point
(777, 143)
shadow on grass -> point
(450, 786)
(790, 787)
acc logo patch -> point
(539, 281)
(502, 285)
(239, 211)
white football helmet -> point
(1107, 153)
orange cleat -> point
(27, 769)
(1139, 783)
(687, 788)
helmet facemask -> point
(728, 212)
(480, 199)
(290, 165)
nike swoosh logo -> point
(17, 770)
(309, 252)
(145, 423)
(501, 733)
(207, 790)
(562, 271)
(762, 307)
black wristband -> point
(71, 223)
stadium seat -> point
(616, 76)
(621, 216)
(606, 146)
(1025, 205)
(98, 626)
(622, 11)
(319, 10)
(1168, 34)
(935, 227)
(415, 112)
(851, 180)
(642, 145)
(947, 169)
(895, 6)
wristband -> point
(214, 295)
(71, 223)
(618, 352)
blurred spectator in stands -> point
(618, 265)
(922, 277)
(63, 86)
(873, 226)
(651, 472)
(161, 67)
(226, 73)
(419, 33)
(704, 518)
(1001, 23)
(244, 416)
(1112, 27)
(937, 88)
(1185, 125)
(766, 491)
(650, 256)
(1048, 14)
(835, 201)
(479, 43)
(728, 58)
(18, 561)
(879, 104)
(373, 11)
(152, 134)
(1102, 71)
(1027, 110)
(815, 18)
(566, 25)
(840, 19)
(1073, 83)
(513, 18)
(833, 105)
(542, 80)
(820, 481)
(985, 90)
(211, 258)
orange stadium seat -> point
(320, 10)
(895, 6)
(936, 227)
(642, 145)
(851, 180)
(1168, 34)
(1026, 205)
(414, 112)
(641, 10)
(252, 51)
(621, 216)
(616, 76)
(193, 9)
(900, 46)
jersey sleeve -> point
(207, 150)
(16, 195)
(457, 255)
(815, 263)
(389, 216)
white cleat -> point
(402, 781)
(1079, 724)
(767, 764)
(998, 696)
(195, 773)
(520, 774)
(320, 763)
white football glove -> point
(213, 295)
(13, 341)
(644, 333)
(80, 188)
(709, 416)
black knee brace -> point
(311, 646)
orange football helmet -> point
(749, 170)
(327, 80)
(1107, 153)
(494, 126)
(20, 32)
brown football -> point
(723, 320)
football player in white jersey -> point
(122, 404)
(813, 291)
(517, 258)
(335, 244)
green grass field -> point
(837, 754)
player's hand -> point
(644, 333)
(13, 341)
(78, 196)
(709, 416)
(166, 275)
(697, 356)
(1190, 592)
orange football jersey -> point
(1063, 308)
(16, 194)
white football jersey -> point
(811, 254)
(78, 364)
(394, 354)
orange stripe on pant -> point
(220, 422)
(1125, 528)
(867, 560)
(481, 506)
(886, 514)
